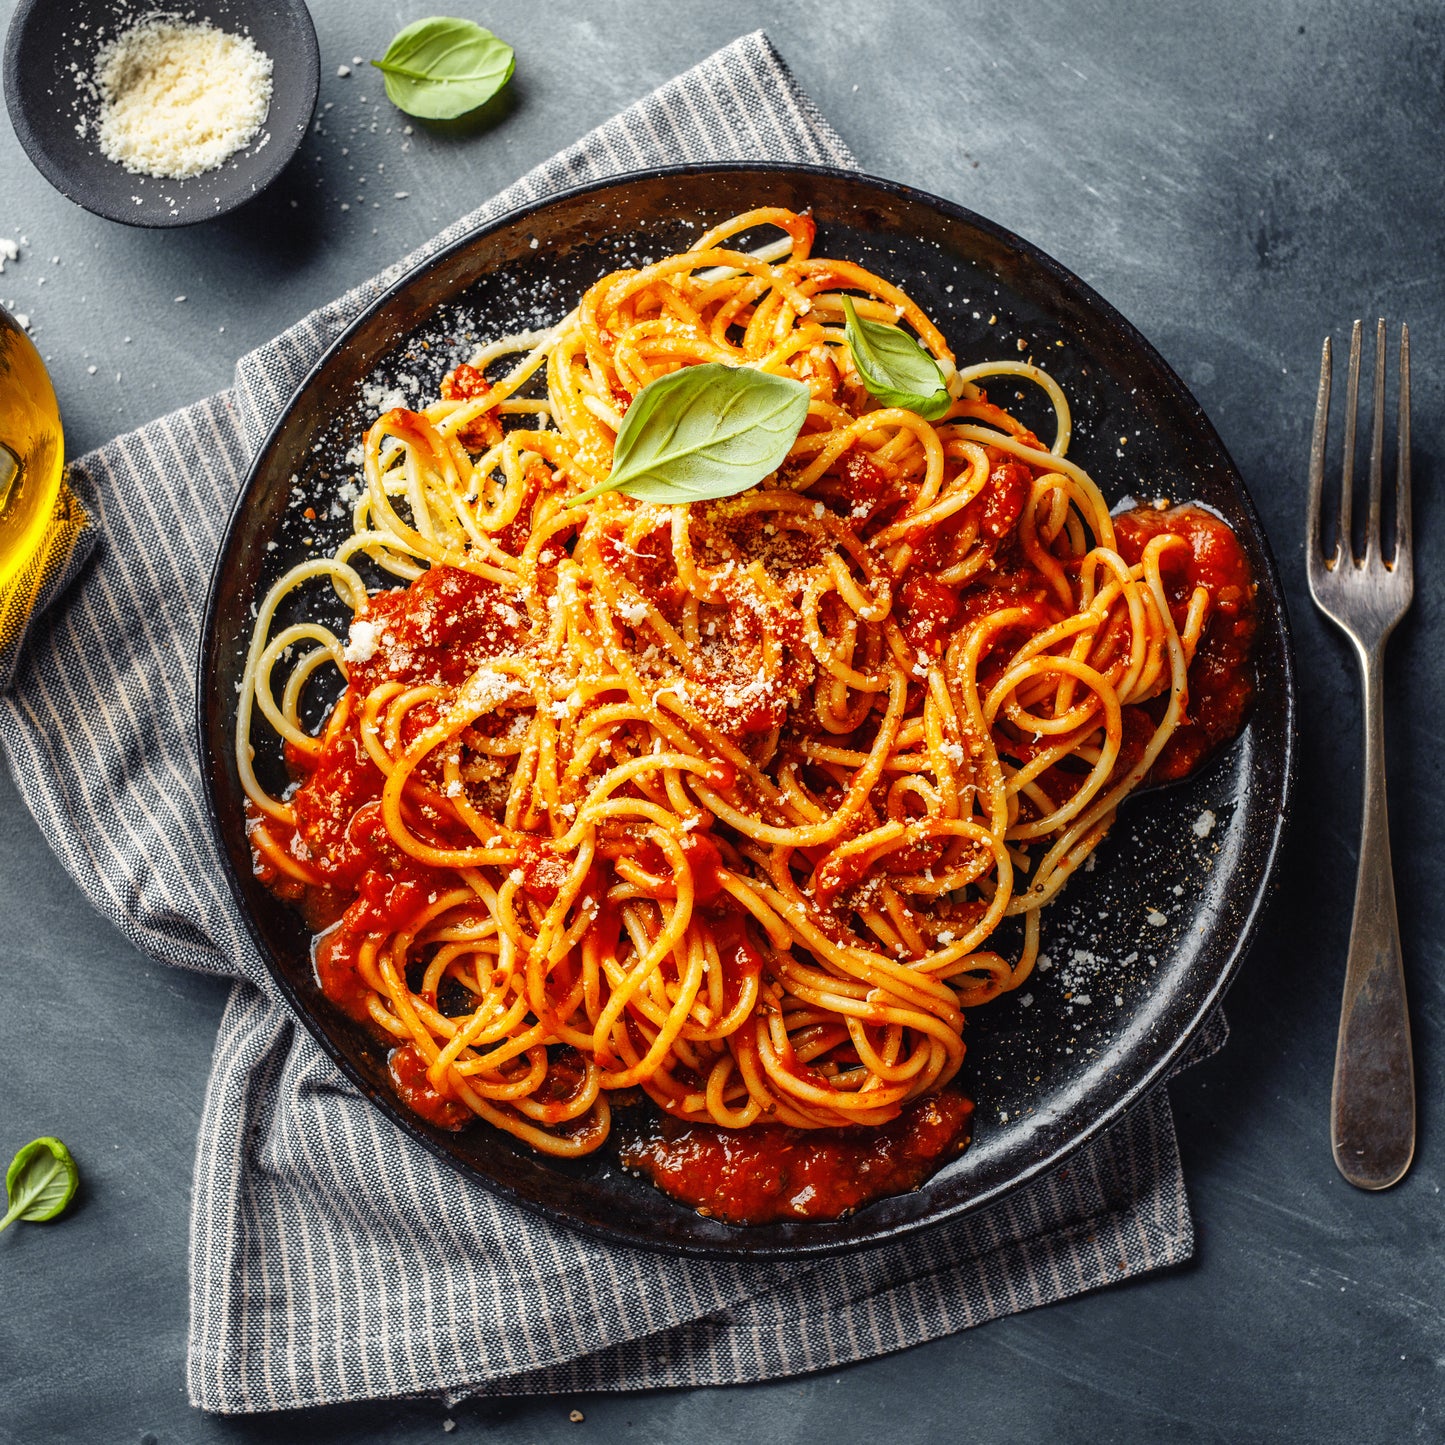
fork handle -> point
(1373, 1104)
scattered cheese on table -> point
(180, 98)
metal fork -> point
(1372, 1110)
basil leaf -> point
(703, 432)
(894, 367)
(441, 68)
(40, 1182)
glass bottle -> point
(32, 448)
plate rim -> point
(1163, 1062)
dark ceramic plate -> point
(43, 92)
(1048, 1072)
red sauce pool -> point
(768, 1172)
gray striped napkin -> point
(332, 1258)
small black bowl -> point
(50, 53)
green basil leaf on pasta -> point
(40, 1182)
(894, 367)
(440, 68)
(703, 432)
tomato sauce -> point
(544, 872)
(741, 962)
(864, 488)
(930, 610)
(407, 1068)
(1221, 678)
(466, 383)
(769, 1172)
(334, 960)
(438, 630)
(996, 509)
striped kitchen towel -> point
(332, 1258)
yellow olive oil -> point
(32, 449)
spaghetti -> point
(725, 802)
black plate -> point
(47, 37)
(1047, 1073)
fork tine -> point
(1377, 447)
(1347, 472)
(1402, 456)
(1315, 535)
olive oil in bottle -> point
(32, 449)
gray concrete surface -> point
(1237, 176)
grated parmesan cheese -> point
(490, 688)
(179, 98)
(377, 398)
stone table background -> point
(1238, 177)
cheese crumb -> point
(1156, 919)
(179, 98)
(361, 641)
(489, 687)
(1204, 824)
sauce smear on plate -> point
(769, 1172)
